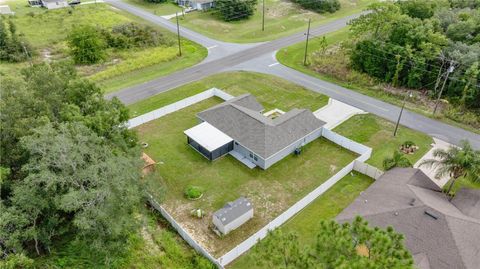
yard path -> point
(260, 57)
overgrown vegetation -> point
(88, 43)
(423, 45)
(348, 245)
(320, 6)
(73, 165)
(13, 47)
(234, 10)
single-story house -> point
(197, 4)
(49, 4)
(238, 126)
(233, 215)
(5, 10)
(440, 234)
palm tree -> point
(456, 162)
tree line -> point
(69, 164)
(421, 44)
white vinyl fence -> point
(158, 113)
(342, 141)
(182, 232)
(357, 165)
(368, 170)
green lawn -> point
(272, 191)
(272, 92)
(377, 133)
(305, 223)
(282, 18)
(47, 30)
(160, 9)
(293, 56)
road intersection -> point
(260, 57)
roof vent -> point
(412, 202)
(430, 214)
(396, 213)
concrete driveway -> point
(336, 112)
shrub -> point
(193, 192)
(13, 48)
(137, 35)
(320, 6)
(87, 45)
(397, 160)
(234, 10)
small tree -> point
(397, 160)
(354, 245)
(87, 45)
(456, 163)
(234, 10)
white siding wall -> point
(218, 224)
(239, 221)
(246, 152)
(55, 5)
(291, 148)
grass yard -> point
(160, 9)
(330, 204)
(272, 191)
(377, 133)
(271, 91)
(282, 18)
(334, 68)
(226, 179)
(46, 31)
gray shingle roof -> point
(240, 118)
(232, 210)
(405, 199)
(468, 201)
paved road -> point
(260, 57)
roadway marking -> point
(270, 65)
(212, 47)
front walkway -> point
(336, 112)
(430, 171)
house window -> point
(251, 155)
(255, 158)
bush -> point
(87, 45)
(16, 261)
(397, 160)
(12, 47)
(136, 35)
(320, 6)
(233, 10)
(193, 192)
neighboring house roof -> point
(241, 119)
(438, 233)
(232, 210)
(208, 136)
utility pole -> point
(450, 70)
(178, 34)
(401, 112)
(306, 44)
(440, 71)
(263, 16)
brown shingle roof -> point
(405, 199)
